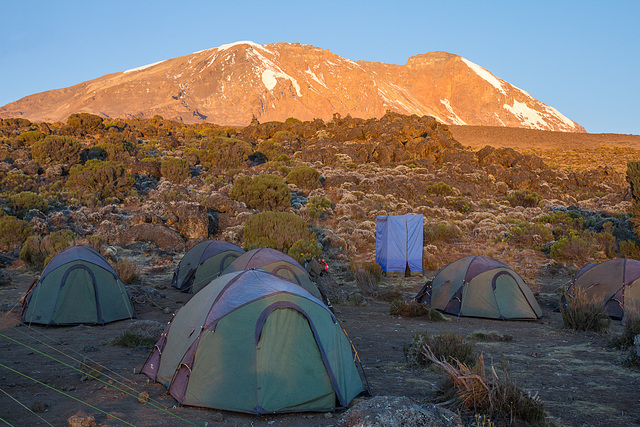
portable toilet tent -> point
(615, 282)
(278, 263)
(399, 243)
(78, 286)
(479, 286)
(203, 263)
(253, 342)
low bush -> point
(13, 232)
(498, 397)
(283, 231)
(304, 177)
(447, 345)
(440, 189)
(55, 149)
(489, 336)
(581, 313)
(440, 232)
(86, 121)
(524, 198)
(319, 207)
(574, 248)
(228, 152)
(38, 250)
(26, 200)
(103, 179)
(263, 192)
(15, 182)
(175, 170)
(412, 308)
(530, 235)
(459, 204)
(31, 137)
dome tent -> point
(278, 263)
(479, 286)
(78, 286)
(615, 282)
(252, 342)
(203, 263)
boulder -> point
(391, 411)
(162, 236)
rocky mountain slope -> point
(233, 83)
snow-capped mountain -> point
(231, 84)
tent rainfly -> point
(278, 263)
(253, 342)
(615, 282)
(399, 243)
(78, 286)
(203, 263)
(479, 286)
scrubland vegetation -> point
(314, 189)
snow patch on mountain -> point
(527, 115)
(486, 75)
(143, 67)
(453, 116)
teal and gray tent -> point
(479, 286)
(253, 342)
(203, 263)
(278, 263)
(399, 243)
(78, 286)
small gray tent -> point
(78, 286)
(203, 263)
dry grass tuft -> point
(582, 313)
(499, 398)
(413, 308)
(446, 345)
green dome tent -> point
(479, 286)
(78, 286)
(278, 263)
(252, 342)
(615, 282)
(203, 263)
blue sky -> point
(580, 57)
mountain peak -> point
(232, 83)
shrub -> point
(446, 345)
(412, 308)
(489, 336)
(228, 152)
(319, 207)
(500, 398)
(15, 182)
(104, 179)
(13, 232)
(38, 250)
(86, 121)
(528, 234)
(439, 189)
(282, 231)
(573, 249)
(304, 249)
(175, 170)
(524, 198)
(581, 313)
(458, 204)
(55, 149)
(440, 232)
(304, 177)
(31, 137)
(26, 200)
(267, 192)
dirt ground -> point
(578, 377)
